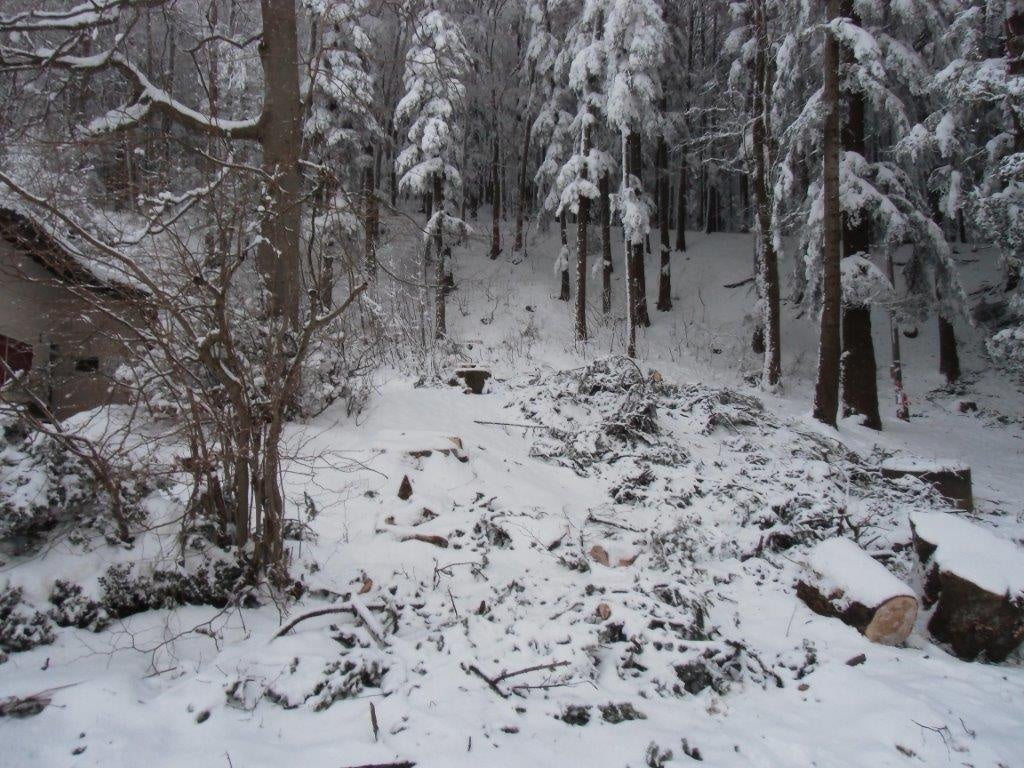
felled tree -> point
(434, 66)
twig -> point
(311, 615)
(404, 764)
(473, 669)
(509, 424)
(550, 666)
(591, 518)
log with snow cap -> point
(977, 581)
(845, 582)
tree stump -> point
(846, 583)
(952, 480)
(976, 581)
(475, 379)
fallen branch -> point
(405, 764)
(473, 669)
(601, 521)
(509, 424)
(311, 615)
(550, 666)
(739, 284)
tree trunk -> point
(281, 140)
(859, 371)
(681, 207)
(440, 329)
(826, 392)
(665, 275)
(495, 201)
(767, 257)
(523, 186)
(949, 359)
(632, 287)
(565, 293)
(642, 316)
(896, 370)
(369, 214)
(582, 222)
(606, 243)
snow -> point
(968, 550)
(845, 567)
(918, 464)
(521, 522)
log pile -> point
(844, 582)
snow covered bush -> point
(40, 484)
(21, 627)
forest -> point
(392, 383)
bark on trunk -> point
(681, 207)
(369, 215)
(896, 370)
(604, 187)
(281, 140)
(768, 259)
(826, 392)
(949, 360)
(495, 201)
(440, 329)
(632, 287)
(523, 186)
(565, 293)
(582, 222)
(642, 316)
(665, 247)
(859, 371)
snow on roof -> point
(55, 253)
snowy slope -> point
(689, 639)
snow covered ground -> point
(629, 547)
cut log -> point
(976, 581)
(951, 479)
(475, 379)
(846, 583)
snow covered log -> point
(846, 583)
(475, 379)
(977, 581)
(952, 480)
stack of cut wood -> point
(976, 581)
(845, 582)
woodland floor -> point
(702, 491)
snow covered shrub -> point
(71, 608)
(217, 583)
(40, 484)
(21, 627)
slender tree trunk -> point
(369, 215)
(767, 257)
(681, 207)
(949, 359)
(896, 370)
(826, 392)
(604, 187)
(523, 186)
(642, 316)
(632, 283)
(495, 200)
(565, 293)
(582, 222)
(665, 246)
(440, 328)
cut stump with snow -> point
(976, 581)
(475, 379)
(951, 479)
(846, 583)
